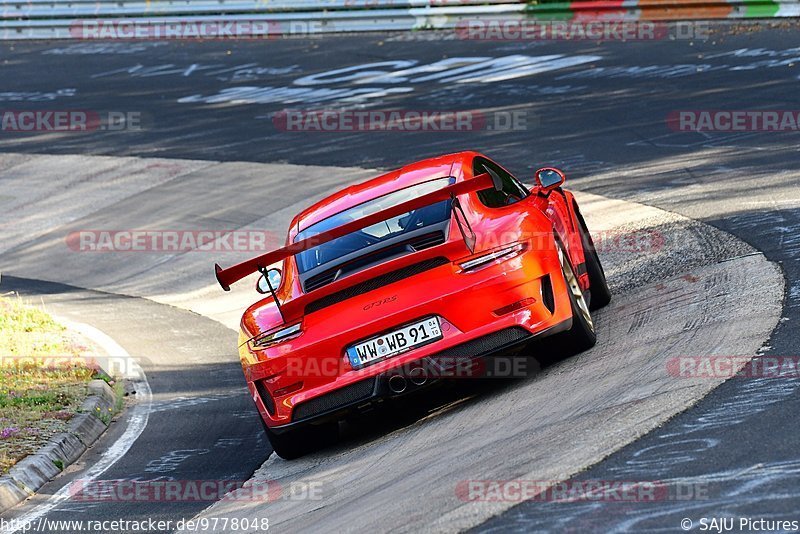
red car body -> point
(307, 376)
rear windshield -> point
(377, 233)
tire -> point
(582, 335)
(600, 295)
(298, 442)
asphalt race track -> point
(210, 155)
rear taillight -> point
(278, 336)
(490, 258)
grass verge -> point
(43, 379)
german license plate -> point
(395, 342)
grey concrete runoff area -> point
(724, 278)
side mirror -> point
(549, 178)
(271, 277)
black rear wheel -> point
(301, 441)
(600, 295)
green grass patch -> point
(43, 380)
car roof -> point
(354, 195)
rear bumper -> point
(466, 360)
(311, 377)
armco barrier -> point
(665, 9)
(54, 19)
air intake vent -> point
(548, 298)
(427, 241)
(375, 283)
(266, 398)
(323, 279)
(416, 244)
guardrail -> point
(57, 19)
(83, 8)
(667, 9)
(347, 19)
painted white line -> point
(137, 419)
(774, 202)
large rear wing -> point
(228, 276)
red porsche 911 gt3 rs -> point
(390, 285)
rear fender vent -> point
(548, 298)
(266, 398)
